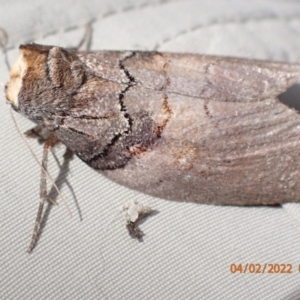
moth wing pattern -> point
(222, 129)
(186, 127)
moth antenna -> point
(41, 166)
(86, 39)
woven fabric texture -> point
(188, 248)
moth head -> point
(40, 67)
(14, 85)
(31, 59)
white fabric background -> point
(188, 248)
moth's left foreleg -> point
(43, 192)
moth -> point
(184, 127)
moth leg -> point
(40, 133)
(43, 193)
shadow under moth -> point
(189, 127)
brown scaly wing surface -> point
(225, 138)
